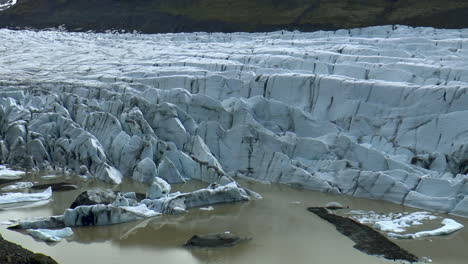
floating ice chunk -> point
(50, 235)
(449, 226)
(140, 210)
(50, 176)
(5, 172)
(25, 197)
(24, 204)
(400, 224)
(18, 186)
(50, 222)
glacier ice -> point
(50, 235)
(8, 198)
(448, 226)
(377, 112)
(18, 186)
(173, 203)
(396, 223)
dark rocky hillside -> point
(152, 16)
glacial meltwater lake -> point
(282, 231)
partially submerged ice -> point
(120, 211)
(396, 224)
(377, 112)
(51, 235)
(8, 198)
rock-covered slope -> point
(378, 112)
(157, 16)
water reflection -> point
(281, 228)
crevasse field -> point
(378, 112)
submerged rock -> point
(367, 240)
(334, 206)
(225, 239)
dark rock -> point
(11, 253)
(367, 239)
(208, 15)
(92, 197)
(140, 196)
(225, 239)
(334, 206)
(56, 187)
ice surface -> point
(376, 112)
(140, 210)
(449, 226)
(8, 198)
(7, 4)
(395, 223)
(5, 173)
(401, 223)
(18, 186)
(50, 235)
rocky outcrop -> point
(151, 16)
(373, 112)
(11, 253)
(226, 239)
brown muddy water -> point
(283, 231)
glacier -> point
(378, 112)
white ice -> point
(400, 224)
(8, 198)
(7, 4)
(379, 112)
(18, 186)
(50, 235)
(140, 210)
(449, 226)
(5, 172)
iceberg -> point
(5, 172)
(8, 198)
(18, 186)
(50, 235)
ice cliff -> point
(379, 112)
